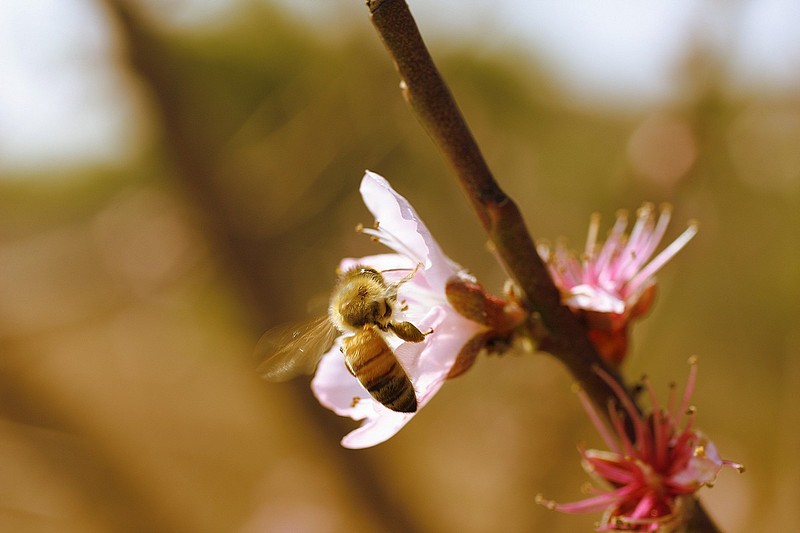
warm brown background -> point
(131, 295)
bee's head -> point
(360, 298)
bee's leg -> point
(407, 331)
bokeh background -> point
(177, 177)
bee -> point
(362, 306)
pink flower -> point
(649, 477)
(422, 302)
(613, 283)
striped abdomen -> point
(373, 363)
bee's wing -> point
(292, 350)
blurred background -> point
(177, 177)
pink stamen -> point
(591, 238)
(572, 270)
(619, 427)
(738, 466)
(659, 426)
(599, 424)
(688, 391)
(611, 244)
(632, 254)
(631, 409)
(595, 503)
(671, 400)
(662, 258)
(658, 232)
(661, 430)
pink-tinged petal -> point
(401, 228)
(393, 266)
(591, 297)
(450, 332)
(336, 388)
(702, 468)
(376, 429)
(339, 391)
(395, 216)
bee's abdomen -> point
(373, 363)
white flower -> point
(425, 305)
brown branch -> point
(436, 109)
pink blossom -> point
(614, 282)
(647, 478)
(611, 278)
(424, 304)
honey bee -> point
(361, 305)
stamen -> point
(688, 391)
(613, 240)
(642, 241)
(662, 258)
(389, 239)
(658, 437)
(643, 220)
(633, 413)
(619, 427)
(599, 424)
(671, 399)
(550, 504)
(591, 238)
(738, 466)
(595, 503)
(660, 229)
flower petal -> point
(336, 388)
(406, 232)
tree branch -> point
(433, 103)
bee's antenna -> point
(395, 285)
(413, 270)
